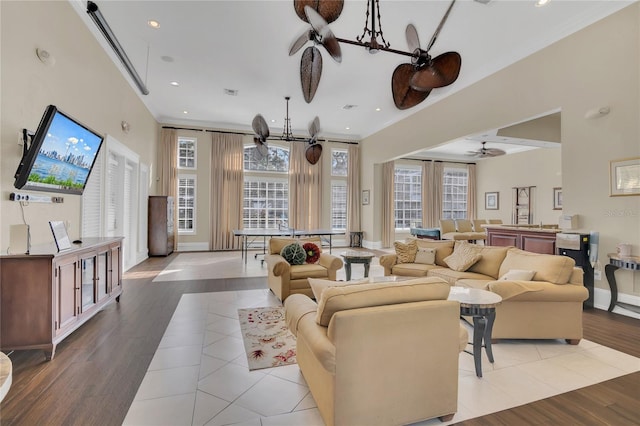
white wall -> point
(84, 83)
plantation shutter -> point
(91, 201)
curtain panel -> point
(429, 215)
(305, 189)
(388, 200)
(168, 172)
(227, 190)
(353, 189)
(471, 191)
(436, 196)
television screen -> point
(61, 155)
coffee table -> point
(355, 256)
(481, 305)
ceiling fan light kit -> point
(410, 83)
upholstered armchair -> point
(464, 225)
(285, 279)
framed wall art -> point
(491, 201)
(557, 198)
(365, 197)
(624, 177)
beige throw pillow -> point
(406, 252)
(462, 258)
(426, 256)
(518, 275)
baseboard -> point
(374, 245)
(199, 246)
(602, 298)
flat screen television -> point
(61, 155)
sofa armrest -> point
(296, 307)
(277, 265)
(329, 261)
(387, 261)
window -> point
(186, 204)
(339, 169)
(454, 193)
(408, 197)
(186, 153)
(266, 188)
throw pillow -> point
(518, 275)
(312, 251)
(462, 258)
(426, 256)
(319, 285)
(294, 254)
(406, 252)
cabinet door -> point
(115, 270)
(103, 286)
(67, 287)
(87, 284)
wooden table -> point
(481, 305)
(354, 256)
(616, 262)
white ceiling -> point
(243, 45)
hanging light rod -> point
(101, 23)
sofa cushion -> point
(451, 276)
(538, 291)
(518, 275)
(463, 257)
(412, 269)
(548, 267)
(443, 248)
(318, 285)
(489, 263)
(308, 270)
(426, 256)
(473, 283)
(294, 254)
(406, 252)
(313, 252)
(276, 244)
(335, 299)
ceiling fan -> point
(261, 136)
(411, 83)
(485, 152)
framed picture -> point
(624, 177)
(365, 197)
(60, 236)
(491, 201)
(557, 198)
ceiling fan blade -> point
(261, 147)
(310, 72)
(324, 34)
(314, 128)
(440, 72)
(329, 10)
(313, 153)
(260, 127)
(412, 38)
(403, 95)
(494, 152)
(299, 42)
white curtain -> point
(471, 191)
(430, 216)
(305, 189)
(168, 172)
(227, 190)
(353, 189)
(436, 196)
(388, 200)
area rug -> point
(267, 340)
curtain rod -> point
(437, 161)
(247, 134)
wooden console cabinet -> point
(46, 295)
(525, 238)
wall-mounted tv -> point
(61, 155)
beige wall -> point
(595, 67)
(84, 83)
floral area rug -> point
(267, 340)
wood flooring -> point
(97, 370)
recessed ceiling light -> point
(153, 23)
(273, 120)
(185, 112)
(377, 109)
(540, 3)
(347, 128)
(174, 83)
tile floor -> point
(199, 374)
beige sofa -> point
(380, 354)
(547, 306)
(285, 279)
